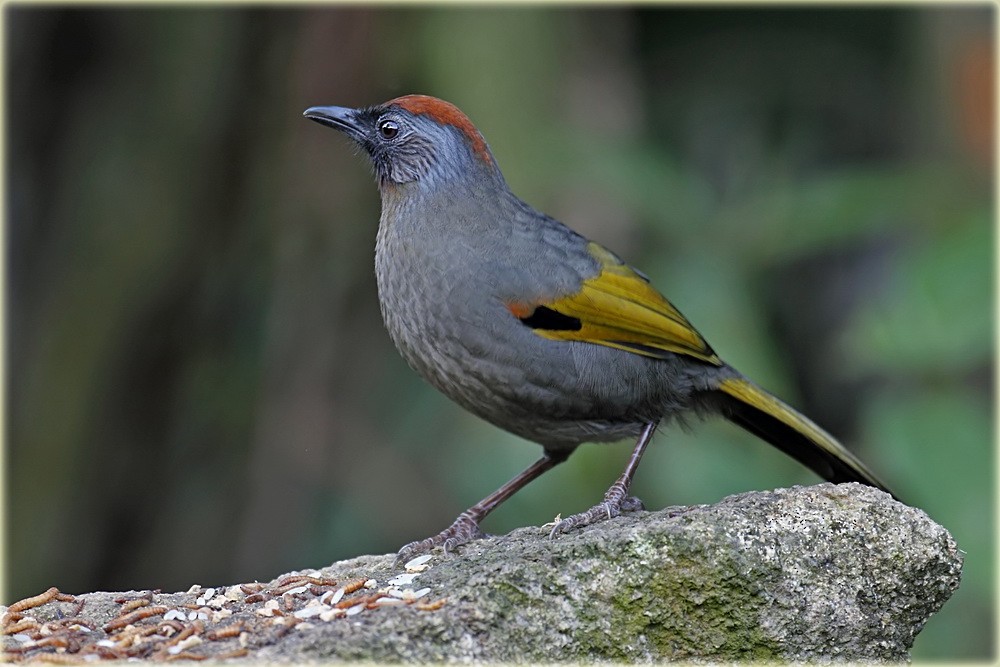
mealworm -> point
(20, 626)
(36, 601)
(132, 605)
(354, 585)
(12, 617)
(185, 655)
(79, 607)
(233, 630)
(235, 653)
(138, 615)
(59, 641)
(431, 606)
(57, 658)
(195, 628)
(176, 626)
(364, 599)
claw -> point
(613, 505)
(463, 530)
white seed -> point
(411, 595)
(269, 608)
(174, 613)
(221, 614)
(356, 609)
(403, 579)
(332, 614)
(371, 583)
(389, 602)
(184, 644)
(336, 597)
(309, 612)
(418, 564)
(297, 589)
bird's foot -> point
(463, 530)
(615, 502)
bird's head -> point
(413, 139)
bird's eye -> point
(388, 129)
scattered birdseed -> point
(356, 609)
(419, 594)
(403, 579)
(185, 644)
(408, 594)
(309, 612)
(332, 614)
(418, 564)
(221, 614)
(389, 602)
(174, 613)
(269, 608)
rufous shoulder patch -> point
(445, 113)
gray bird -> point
(529, 325)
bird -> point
(533, 327)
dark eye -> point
(388, 129)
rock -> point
(828, 572)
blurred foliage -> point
(199, 388)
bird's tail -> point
(749, 406)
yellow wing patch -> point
(619, 308)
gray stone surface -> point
(825, 572)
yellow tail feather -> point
(787, 429)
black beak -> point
(339, 118)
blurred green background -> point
(200, 389)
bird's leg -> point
(466, 526)
(616, 500)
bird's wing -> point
(617, 308)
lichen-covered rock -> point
(838, 572)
